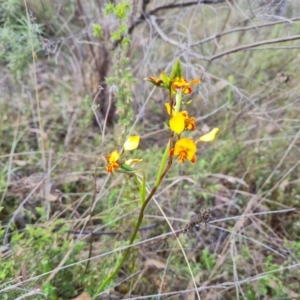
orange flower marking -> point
(189, 121)
(181, 83)
(185, 149)
(112, 160)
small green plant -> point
(122, 79)
(97, 30)
(41, 249)
(267, 283)
(19, 34)
(207, 259)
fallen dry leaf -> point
(20, 163)
(151, 264)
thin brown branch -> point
(257, 44)
(246, 28)
(185, 4)
(216, 36)
(145, 15)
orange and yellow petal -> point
(163, 80)
(184, 85)
(131, 143)
(112, 160)
(156, 81)
(190, 123)
(110, 168)
(187, 90)
(210, 136)
(113, 157)
(195, 81)
(179, 83)
(177, 123)
(185, 149)
(181, 121)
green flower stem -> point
(132, 238)
(178, 98)
(162, 165)
(162, 172)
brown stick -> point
(257, 44)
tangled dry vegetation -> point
(71, 91)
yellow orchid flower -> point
(112, 160)
(114, 163)
(185, 149)
(181, 83)
(181, 121)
